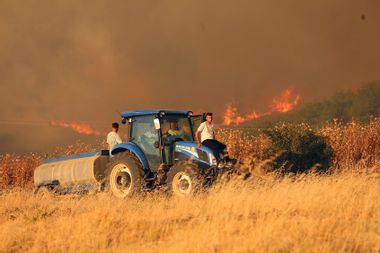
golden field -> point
(310, 213)
(337, 211)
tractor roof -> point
(131, 114)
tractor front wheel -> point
(184, 179)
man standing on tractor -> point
(113, 137)
(207, 136)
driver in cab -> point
(176, 131)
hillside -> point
(359, 105)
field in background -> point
(335, 212)
(352, 144)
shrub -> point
(297, 148)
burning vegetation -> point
(78, 127)
(285, 102)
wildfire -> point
(285, 102)
(231, 116)
(81, 128)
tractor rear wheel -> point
(125, 175)
(184, 179)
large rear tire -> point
(125, 175)
(184, 179)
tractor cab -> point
(156, 132)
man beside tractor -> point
(207, 136)
(113, 137)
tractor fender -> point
(134, 149)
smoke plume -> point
(87, 61)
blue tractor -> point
(162, 152)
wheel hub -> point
(123, 180)
(184, 184)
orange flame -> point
(282, 103)
(231, 116)
(81, 128)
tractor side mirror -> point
(157, 124)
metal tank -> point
(69, 171)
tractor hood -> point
(185, 150)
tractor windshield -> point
(144, 135)
(176, 127)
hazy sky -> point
(87, 60)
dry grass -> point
(336, 213)
(354, 143)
